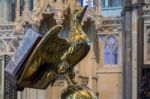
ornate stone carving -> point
(59, 8)
(112, 21)
(7, 37)
(25, 19)
(111, 25)
(146, 9)
(6, 28)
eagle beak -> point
(81, 14)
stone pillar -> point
(127, 36)
(137, 47)
(133, 30)
(35, 3)
(140, 46)
(99, 7)
(5, 8)
(26, 4)
(17, 9)
(134, 51)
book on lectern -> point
(17, 63)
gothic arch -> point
(111, 35)
(111, 50)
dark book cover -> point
(17, 63)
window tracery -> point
(111, 51)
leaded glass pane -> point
(115, 56)
(107, 55)
(111, 51)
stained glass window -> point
(111, 51)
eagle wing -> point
(42, 62)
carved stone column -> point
(35, 3)
(27, 18)
(133, 62)
(17, 9)
(25, 13)
(127, 35)
(5, 15)
(99, 7)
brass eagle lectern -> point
(54, 57)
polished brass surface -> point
(54, 56)
(77, 92)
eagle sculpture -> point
(54, 57)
